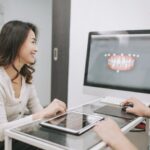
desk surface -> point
(47, 138)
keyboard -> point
(112, 100)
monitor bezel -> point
(123, 32)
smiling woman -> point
(28, 49)
(17, 93)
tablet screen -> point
(73, 121)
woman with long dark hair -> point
(17, 93)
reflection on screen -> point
(73, 120)
(119, 61)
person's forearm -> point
(147, 112)
(122, 144)
(37, 116)
(45, 113)
(14, 123)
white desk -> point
(47, 139)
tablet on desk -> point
(115, 111)
(72, 122)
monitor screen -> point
(119, 60)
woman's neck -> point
(13, 69)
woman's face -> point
(28, 49)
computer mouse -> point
(124, 107)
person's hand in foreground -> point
(56, 107)
(138, 108)
(111, 134)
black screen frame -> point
(121, 32)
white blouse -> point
(12, 110)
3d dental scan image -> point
(116, 60)
(121, 62)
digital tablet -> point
(115, 111)
(72, 122)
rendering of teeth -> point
(134, 55)
(126, 65)
(121, 62)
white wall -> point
(39, 13)
(98, 15)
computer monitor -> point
(118, 64)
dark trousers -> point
(17, 145)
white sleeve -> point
(3, 117)
(33, 102)
(4, 124)
(13, 124)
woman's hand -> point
(54, 108)
(138, 108)
(57, 120)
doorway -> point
(60, 49)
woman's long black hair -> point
(12, 36)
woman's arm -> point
(4, 124)
(33, 103)
(7, 125)
(54, 108)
